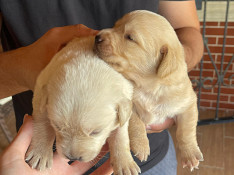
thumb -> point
(65, 34)
(24, 136)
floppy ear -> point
(168, 61)
(124, 111)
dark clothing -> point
(25, 21)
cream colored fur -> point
(82, 101)
(144, 48)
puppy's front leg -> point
(120, 155)
(186, 136)
(139, 142)
(40, 153)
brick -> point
(212, 39)
(206, 57)
(226, 59)
(208, 65)
(214, 31)
(205, 73)
(215, 49)
(208, 73)
(228, 82)
(228, 74)
(224, 105)
(229, 49)
(224, 66)
(229, 41)
(208, 83)
(230, 31)
(210, 24)
(223, 98)
(205, 103)
(229, 23)
(206, 90)
(224, 90)
(219, 49)
(194, 73)
(219, 31)
(213, 97)
(231, 99)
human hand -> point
(155, 128)
(38, 54)
(12, 160)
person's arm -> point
(19, 68)
(183, 17)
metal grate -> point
(220, 73)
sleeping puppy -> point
(144, 48)
(82, 101)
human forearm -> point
(14, 74)
(192, 42)
(19, 68)
(183, 17)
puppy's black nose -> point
(98, 39)
(74, 159)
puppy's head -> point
(81, 132)
(141, 42)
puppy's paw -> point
(126, 168)
(39, 158)
(191, 156)
(140, 148)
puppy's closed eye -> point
(56, 126)
(129, 37)
(95, 132)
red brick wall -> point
(214, 33)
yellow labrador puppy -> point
(81, 100)
(144, 48)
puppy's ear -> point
(167, 62)
(124, 111)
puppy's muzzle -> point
(103, 45)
